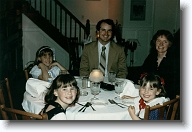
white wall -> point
(160, 14)
(167, 17)
(141, 30)
(95, 11)
(34, 38)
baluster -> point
(50, 13)
(60, 19)
(46, 9)
(55, 15)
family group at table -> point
(61, 96)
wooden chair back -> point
(170, 107)
(5, 94)
(27, 69)
(9, 113)
(20, 115)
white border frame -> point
(184, 125)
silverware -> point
(86, 105)
(90, 104)
(80, 104)
(118, 103)
(112, 102)
(82, 107)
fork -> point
(86, 105)
(80, 104)
(82, 107)
(90, 104)
(115, 103)
(118, 103)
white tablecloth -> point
(103, 112)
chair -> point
(9, 113)
(170, 107)
(20, 115)
(27, 69)
(5, 90)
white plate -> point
(128, 101)
(99, 102)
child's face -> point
(148, 93)
(46, 59)
(65, 95)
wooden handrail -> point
(67, 21)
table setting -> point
(96, 102)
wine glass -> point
(119, 86)
(95, 89)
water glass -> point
(84, 82)
(111, 77)
(83, 91)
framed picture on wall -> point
(138, 10)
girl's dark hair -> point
(41, 51)
(65, 79)
(108, 21)
(166, 33)
(155, 82)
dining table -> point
(101, 109)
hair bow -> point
(162, 81)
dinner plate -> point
(99, 102)
(128, 101)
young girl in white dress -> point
(62, 93)
(45, 67)
(151, 93)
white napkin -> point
(130, 89)
(36, 87)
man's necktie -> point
(102, 64)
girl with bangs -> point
(151, 93)
(62, 93)
(46, 68)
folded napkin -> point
(36, 87)
(130, 89)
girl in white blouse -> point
(45, 66)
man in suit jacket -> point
(115, 55)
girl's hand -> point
(44, 76)
(58, 65)
(54, 64)
(41, 66)
(131, 110)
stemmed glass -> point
(119, 86)
(95, 89)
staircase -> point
(60, 24)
